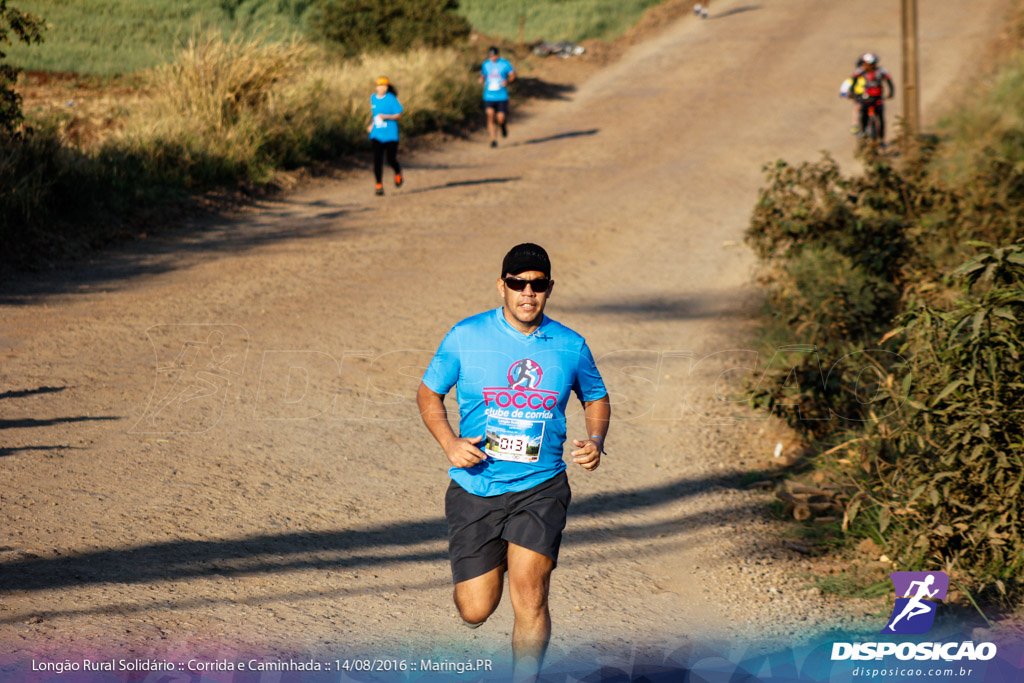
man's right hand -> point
(462, 452)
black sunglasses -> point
(517, 284)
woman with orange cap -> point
(383, 129)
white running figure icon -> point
(915, 607)
(526, 375)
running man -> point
(914, 606)
(496, 73)
(514, 369)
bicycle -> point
(874, 126)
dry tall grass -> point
(238, 107)
(227, 111)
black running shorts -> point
(499, 106)
(480, 528)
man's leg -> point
(477, 598)
(490, 124)
(500, 117)
(529, 579)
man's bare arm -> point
(461, 452)
(596, 415)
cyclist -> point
(875, 79)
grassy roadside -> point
(572, 20)
(110, 37)
(225, 113)
(909, 281)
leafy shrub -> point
(944, 487)
(835, 248)
(359, 26)
(937, 482)
(28, 29)
(863, 218)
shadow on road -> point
(464, 183)
(176, 248)
(261, 600)
(4, 451)
(543, 90)
(735, 10)
(32, 422)
(333, 550)
(22, 393)
(694, 307)
(559, 136)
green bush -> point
(835, 250)
(572, 20)
(944, 486)
(863, 218)
(28, 29)
(853, 264)
(359, 26)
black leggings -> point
(378, 157)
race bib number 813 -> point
(514, 440)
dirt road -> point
(209, 442)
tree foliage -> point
(28, 29)
(858, 263)
(359, 26)
(944, 485)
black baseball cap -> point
(524, 257)
(492, 50)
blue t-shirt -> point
(384, 131)
(512, 389)
(495, 73)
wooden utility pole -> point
(911, 92)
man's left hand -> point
(587, 455)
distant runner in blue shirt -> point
(385, 110)
(496, 73)
(514, 370)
